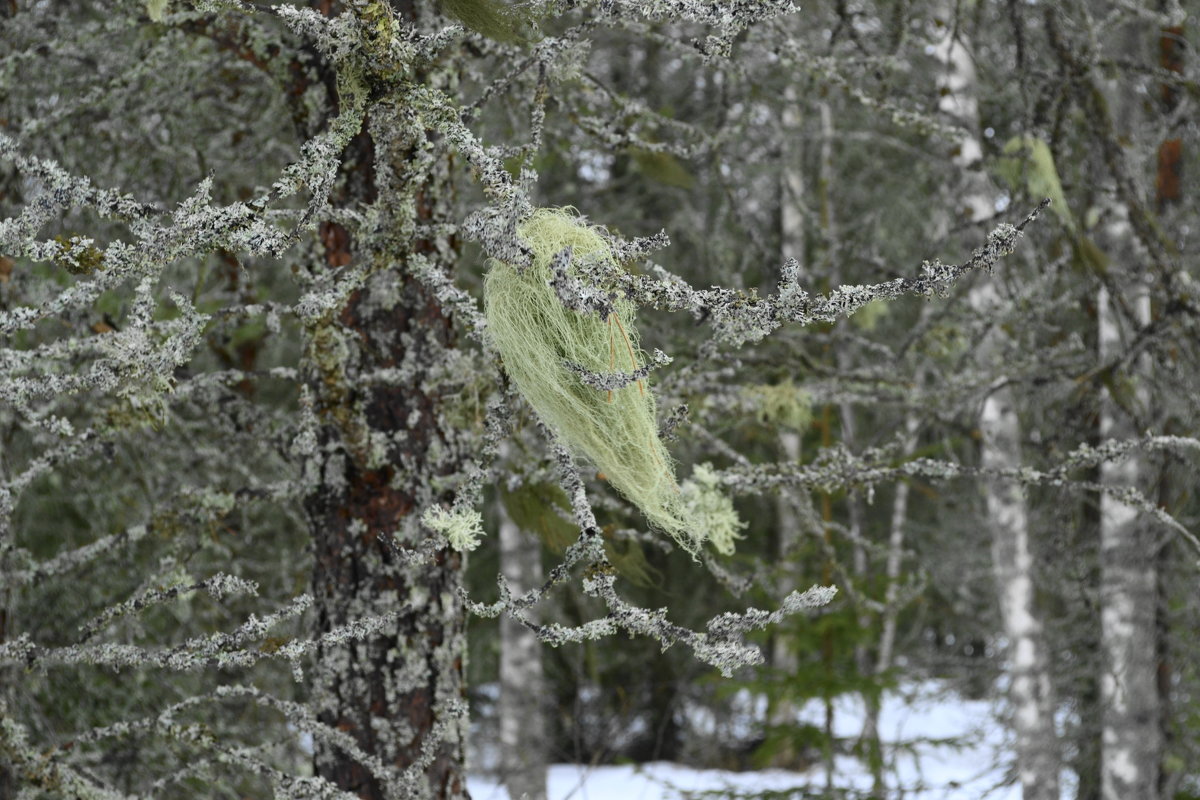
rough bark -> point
(381, 444)
(387, 691)
(1029, 692)
(523, 743)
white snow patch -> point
(657, 780)
(938, 746)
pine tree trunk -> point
(522, 690)
(382, 444)
(388, 690)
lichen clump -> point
(781, 404)
(537, 336)
(712, 510)
(462, 528)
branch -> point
(739, 317)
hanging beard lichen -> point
(537, 336)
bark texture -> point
(1169, 180)
(387, 691)
(382, 443)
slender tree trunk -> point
(522, 690)
(1131, 732)
(1029, 691)
(792, 240)
(831, 247)
(783, 657)
(891, 612)
(397, 692)
(1029, 688)
(1131, 736)
(1168, 193)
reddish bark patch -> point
(1168, 184)
(337, 244)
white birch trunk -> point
(891, 608)
(1131, 737)
(895, 553)
(1029, 693)
(523, 742)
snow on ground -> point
(654, 781)
(939, 746)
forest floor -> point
(937, 745)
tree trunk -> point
(891, 612)
(1029, 693)
(1168, 194)
(381, 445)
(389, 689)
(1029, 690)
(792, 245)
(522, 691)
(1131, 737)
(783, 656)
(1131, 733)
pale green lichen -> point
(462, 528)
(710, 510)
(782, 403)
(546, 345)
(156, 10)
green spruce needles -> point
(537, 336)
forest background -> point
(260, 461)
